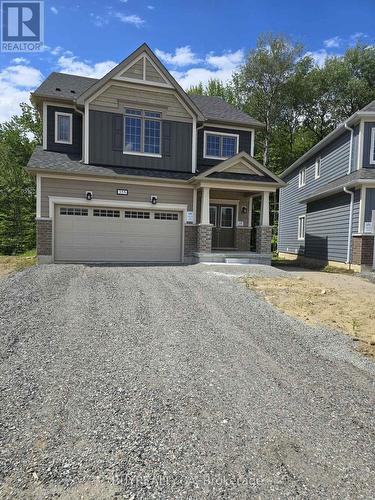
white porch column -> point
(205, 206)
(250, 212)
(265, 209)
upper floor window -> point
(317, 167)
(142, 132)
(63, 127)
(220, 146)
(372, 147)
(302, 177)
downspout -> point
(348, 256)
(351, 146)
(83, 129)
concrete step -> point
(237, 261)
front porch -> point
(224, 225)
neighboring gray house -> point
(132, 169)
(326, 209)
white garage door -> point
(117, 235)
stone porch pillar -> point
(264, 230)
(204, 230)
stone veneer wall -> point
(44, 237)
(363, 249)
(243, 239)
(204, 238)
(190, 239)
(263, 239)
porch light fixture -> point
(244, 210)
(154, 199)
(89, 195)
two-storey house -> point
(327, 209)
(132, 169)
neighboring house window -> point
(372, 147)
(63, 127)
(220, 146)
(301, 227)
(302, 177)
(142, 132)
(317, 167)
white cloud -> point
(124, 1)
(183, 56)
(54, 10)
(357, 37)
(319, 56)
(132, 19)
(71, 64)
(150, 7)
(19, 60)
(16, 83)
(220, 67)
(333, 42)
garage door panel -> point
(100, 238)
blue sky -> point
(196, 40)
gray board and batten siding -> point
(107, 144)
(321, 215)
(244, 144)
(76, 146)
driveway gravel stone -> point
(174, 383)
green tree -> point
(262, 83)
(18, 137)
(214, 87)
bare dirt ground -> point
(340, 301)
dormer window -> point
(219, 146)
(63, 127)
(142, 132)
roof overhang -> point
(242, 159)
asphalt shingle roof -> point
(216, 109)
(51, 161)
(64, 86)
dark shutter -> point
(117, 132)
(166, 149)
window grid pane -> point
(213, 145)
(63, 128)
(229, 146)
(103, 212)
(135, 214)
(226, 217)
(165, 216)
(74, 211)
(152, 137)
(133, 134)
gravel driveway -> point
(175, 382)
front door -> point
(222, 219)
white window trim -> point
(300, 238)
(143, 118)
(300, 183)
(372, 146)
(221, 217)
(211, 132)
(318, 161)
(70, 116)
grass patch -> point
(16, 263)
(337, 270)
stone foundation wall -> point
(190, 240)
(263, 239)
(204, 238)
(243, 239)
(44, 237)
(363, 250)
